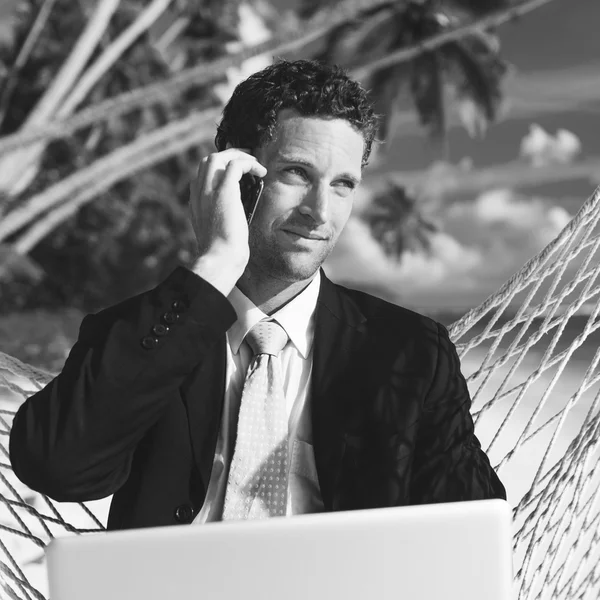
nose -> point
(316, 204)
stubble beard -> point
(268, 259)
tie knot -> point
(267, 337)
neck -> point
(270, 295)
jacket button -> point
(159, 329)
(149, 342)
(170, 317)
(178, 306)
(184, 513)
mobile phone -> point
(251, 188)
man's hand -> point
(218, 217)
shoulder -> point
(397, 339)
(384, 315)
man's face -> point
(314, 168)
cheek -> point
(281, 198)
(269, 205)
(343, 210)
(279, 189)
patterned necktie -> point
(257, 482)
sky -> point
(488, 236)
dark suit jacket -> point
(136, 414)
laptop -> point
(453, 551)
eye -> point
(296, 171)
(347, 183)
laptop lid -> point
(454, 551)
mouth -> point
(307, 235)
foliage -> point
(125, 241)
(471, 67)
(137, 231)
(397, 220)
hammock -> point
(526, 353)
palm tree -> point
(148, 102)
(396, 219)
(87, 53)
(471, 67)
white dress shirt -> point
(297, 317)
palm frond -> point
(427, 88)
(212, 19)
(478, 73)
(398, 223)
(386, 87)
(370, 34)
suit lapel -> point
(339, 332)
(203, 394)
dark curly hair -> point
(309, 87)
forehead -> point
(316, 138)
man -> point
(168, 402)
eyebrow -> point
(300, 161)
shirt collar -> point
(295, 317)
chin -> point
(278, 263)
(296, 275)
(293, 271)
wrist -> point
(216, 271)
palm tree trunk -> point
(289, 37)
(67, 91)
(111, 55)
(18, 169)
(114, 167)
(24, 53)
(190, 134)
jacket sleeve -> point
(74, 440)
(449, 463)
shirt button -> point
(159, 329)
(170, 317)
(149, 342)
(184, 513)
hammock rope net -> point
(530, 354)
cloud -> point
(482, 244)
(542, 149)
(503, 218)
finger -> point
(193, 191)
(200, 178)
(237, 168)
(204, 166)
(213, 167)
(193, 203)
